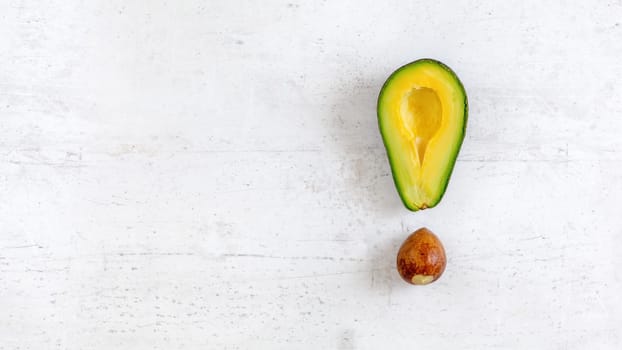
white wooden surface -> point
(209, 175)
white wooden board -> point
(209, 175)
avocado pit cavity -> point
(421, 113)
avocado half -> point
(422, 115)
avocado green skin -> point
(457, 146)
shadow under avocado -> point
(356, 139)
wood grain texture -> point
(210, 175)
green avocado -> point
(422, 115)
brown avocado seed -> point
(421, 258)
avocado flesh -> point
(422, 114)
